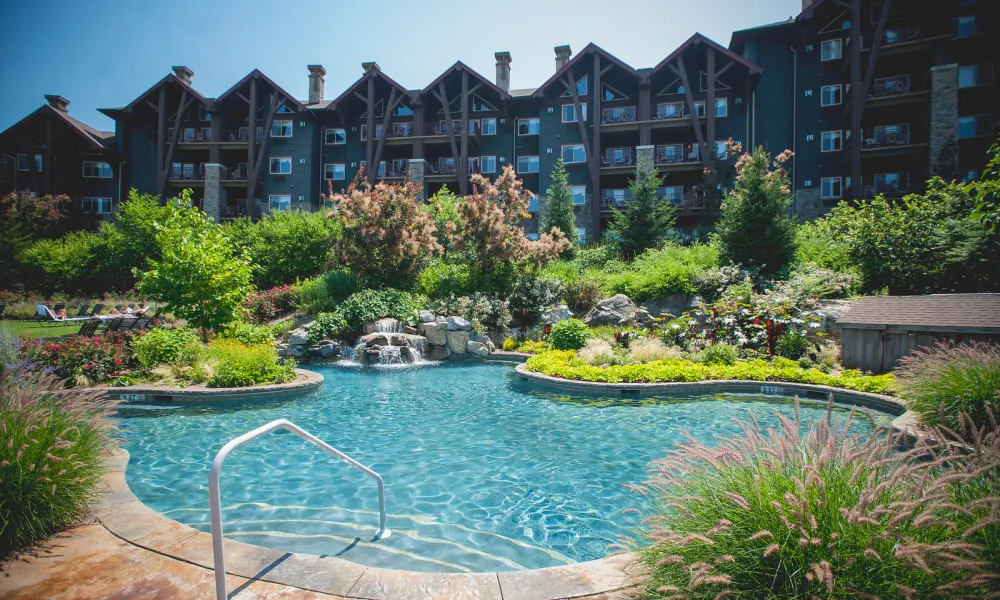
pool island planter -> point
(307, 381)
(879, 402)
(126, 517)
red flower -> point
(118, 361)
(54, 347)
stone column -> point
(212, 204)
(944, 112)
(415, 174)
(644, 155)
(808, 204)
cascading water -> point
(390, 355)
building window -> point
(975, 75)
(831, 49)
(830, 95)
(527, 126)
(830, 187)
(891, 182)
(335, 171)
(669, 110)
(489, 126)
(579, 194)
(281, 165)
(204, 115)
(335, 137)
(282, 129)
(532, 236)
(581, 233)
(569, 112)
(279, 202)
(832, 141)
(721, 107)
(574, 153)
(973, 126)
(284, 110)
(533, 207)
(480, 105)
(403, 111)
(190, 134)
(527, 164)
(98, 170)
(672, 194)
(699, 108)
(97, 206)
(489, 164)
(378, 132)
(474, 165)
(720, 150)
(381, 166)
(966, 26)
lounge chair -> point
(52, 319)
(114, 325)
(143, 323)
(89, 328)
(83, 311)
(97, 310)
(59, 307)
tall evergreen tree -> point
(644, 220)
(559, 208)
(755, 228)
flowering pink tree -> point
(490, 226)
(386, 238)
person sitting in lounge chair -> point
(141, 310)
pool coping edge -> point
(307, 381)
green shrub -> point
(942, 382)
(240, 365)
(371, 305)
(248, 334)
(718, 354)
(162, 346)
(441, 279)
(533, 294)
(569, 334)
(324, 292)
(827, 513)
(266, 305)
(487, 314)
(566, 365)
(818, 245)
(52, 455)
(69, 263)
(792, 345)
(82, 360)
(286, 246)
(660, 273)
(582, 295)
(598, 256)
(326, 326)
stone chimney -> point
(58, 102)
(562, 56)
(316, 83)
(368, 66)
(503, 70)
(184, 74)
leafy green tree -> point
(443, 209)
(200, 276)
(558, 212)
(26, 219)
(131, 241)
(645, 220)
(70, 263)
(285, 246)
(755, 228)
(987, 191)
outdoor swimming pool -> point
(482, 472)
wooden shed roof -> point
(967, 313)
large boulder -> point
(327, 349)
(426, 316)
(411, 330)
(459, 324)
(438, 352)
(674, 305)
(435, 333)
(829, 312)
(298, 337)
(478, 349)
(556, 314)
(482, 339)
(458, 341)
(616, 310)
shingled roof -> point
(969, 313)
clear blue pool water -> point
(483, 472)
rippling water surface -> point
(482, 472)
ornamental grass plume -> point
(942, 382)
(53, 442)
(818, 512)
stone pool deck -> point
(131, 551)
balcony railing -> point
(890, 86)
(618, 157)
(398, 169)
(669, 111)
(442, 168)
(677, 153)
(624, 114)
(888, 136)
(690, 199)
(233, 174)
(400, 130)
(186, 175)
(900, 34)
(242, 134)
(441, 128)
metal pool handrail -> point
(215, 500)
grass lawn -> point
(35, 330)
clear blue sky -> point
(103, 53)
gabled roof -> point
(932, 312)
(738, 40)
(258, 74)
(591, 47)
(170, 78)
(373, 72)
(98, 139)
(808, 11)
(460, 65)
(698, 39)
